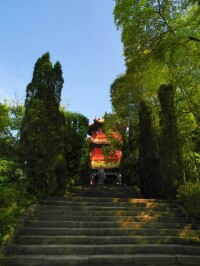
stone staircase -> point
(105, 225)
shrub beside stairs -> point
(105, 225)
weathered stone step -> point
(105, 240)
(90, 208)
(85, 224)
(104, 189)
(105, 195)
(94, 228)
(118, 218)
(29, 231)
(98, 214)
(145, 218)
(101, 209)
(99, 193)
(103, 249)
(117, 260)
(111, 200)
(102, 239)
(105, 204)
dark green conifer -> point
(148, 154)
(170, 154)
(42, 141)
(77, 148)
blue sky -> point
(79, 33)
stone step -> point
(105, 195)
(102, 186)
(103, 249)
(105, 240)
(92, 260)
(43, 212)
(95, 228)
(104, 189)
(145, 218)
(102, 208)
(112, 200)
(26, 231)
(114, 194)
(105, 204)
(92, 208)
(85, 224)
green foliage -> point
(126, 142)
(76, 148)
(125, 98)
(48, 144)
(129, 162)
(10, 172)
(189, 195)
(149, 172)
(170, 154)
(112, 127)
(13, 196)
(5, 120)
(11, 115)
(161, 46)
(42, 139)
(13, 201)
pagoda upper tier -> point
(97, 141)
(96, 132)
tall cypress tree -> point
(129, 161)
(171, 162)
(149, 174)
(42, 141)
(77, 149)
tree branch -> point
(193, 39)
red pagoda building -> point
(97, 141)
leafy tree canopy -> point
(161, 46)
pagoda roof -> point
(97, 121)
(95, 124)
(98, 141)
